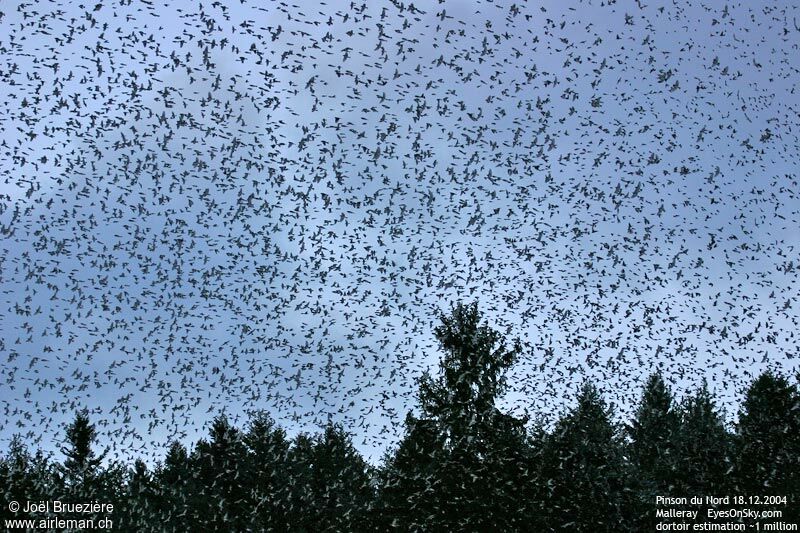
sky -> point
(223, 207)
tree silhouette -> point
(409, 480)
(267, 475)
(177, 491)
(331, 487)
(768, 439)
(472, 374)
(457, 464)
(462, 464)
(704, 447)
(24, 477)
(80, 470)
(219, 464)
(141, 501)
(301, 506)
(82, 477)
(342, 484)
(583, 470)
(652, 449)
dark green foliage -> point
(141, 500)
(300, 504)
(82, 476)
(653, 435)
(24, 477)
(176, 489)
(471, 376)
(330, 486)
(768, 440)
(267, 473)
(582, 475)
(458, 465)
(341, 483)
(219, 466)
(462, 464)
(653, 450)
(79, 475)
(409, 482)
(704, 450)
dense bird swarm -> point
(232, 206)
(463, 465)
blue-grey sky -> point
(232, 206)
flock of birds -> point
(226, 206)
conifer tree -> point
(341, 482)
(140, 502)
(82, 477)
(23, 477)
(652, 449)
(472, 375)
(409, 482)
(704, 447)
(80, 471)
(301, 506)
(267, 474)
(476, 452)
(330, 483)
(768, 440)
(582, 471)
(220, 465)
(176, 486)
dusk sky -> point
(230, 206)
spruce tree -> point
(80, 471)
(477, 455)
(341, 483)
(409, 484)
(301, 507)
(24, 477)
(267, 473)
(472, 375)
(140, 506)
(768, 440)
(704, 448)
(82, 477)
(330, 483)
(652, 449)
(176, 487)
(582, 471)
(220, 464)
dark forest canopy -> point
(462, 464)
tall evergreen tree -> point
(330, 484)
(477, 452)
(23, 477)
(220, 465)
(267, 473)
(472, 375)
(176, 486)
(140, 508)
(582, 470)
(768, 440)
(82, 477)
(409, 492)
(342, 484)
(80, 471)
(301, 509)
(652, 450)
(704, 447)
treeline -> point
(462, 465)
